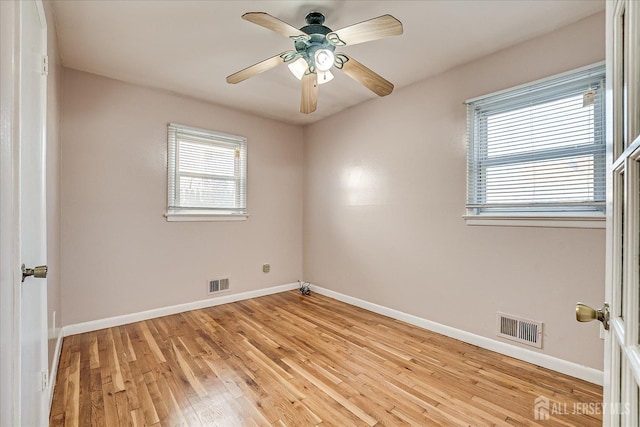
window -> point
(207, 175)
(538, 150)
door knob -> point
(39, 271)
(584, 313)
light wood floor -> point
(287, 359)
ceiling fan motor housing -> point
(307, 47)
(314, 18)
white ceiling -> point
(189, 47)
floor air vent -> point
(218, 285)
(521, 330)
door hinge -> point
(45, 65)
(45, 380)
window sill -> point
(556, 221)
(189, 215)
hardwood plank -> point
(174, 409)
(114, 363)
(151, 342)
(110, 408)
(85, 406)
(72, 407)
(96, 398)
(94, 359)
(188, 373)
(290, 360)
(143, 396)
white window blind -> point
(539, 148)
(207, 171)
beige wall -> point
(384, 197)
(54, 116)
(384, 194)
(120, 255)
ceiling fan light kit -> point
(314, 55)
(323, 59)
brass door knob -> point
(39, 271)
(584, 313)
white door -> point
(622, 352)
(32, 213)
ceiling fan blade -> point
(365, 76)
(309, 100)
(272, 23)
(373, 29)
(261, 67)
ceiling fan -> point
(315, 55)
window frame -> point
(176, 211)
(572, 214)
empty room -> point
(320, 213)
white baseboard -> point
(109, 322)
(53, 370)
(559, 365)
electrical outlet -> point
(266, 268)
